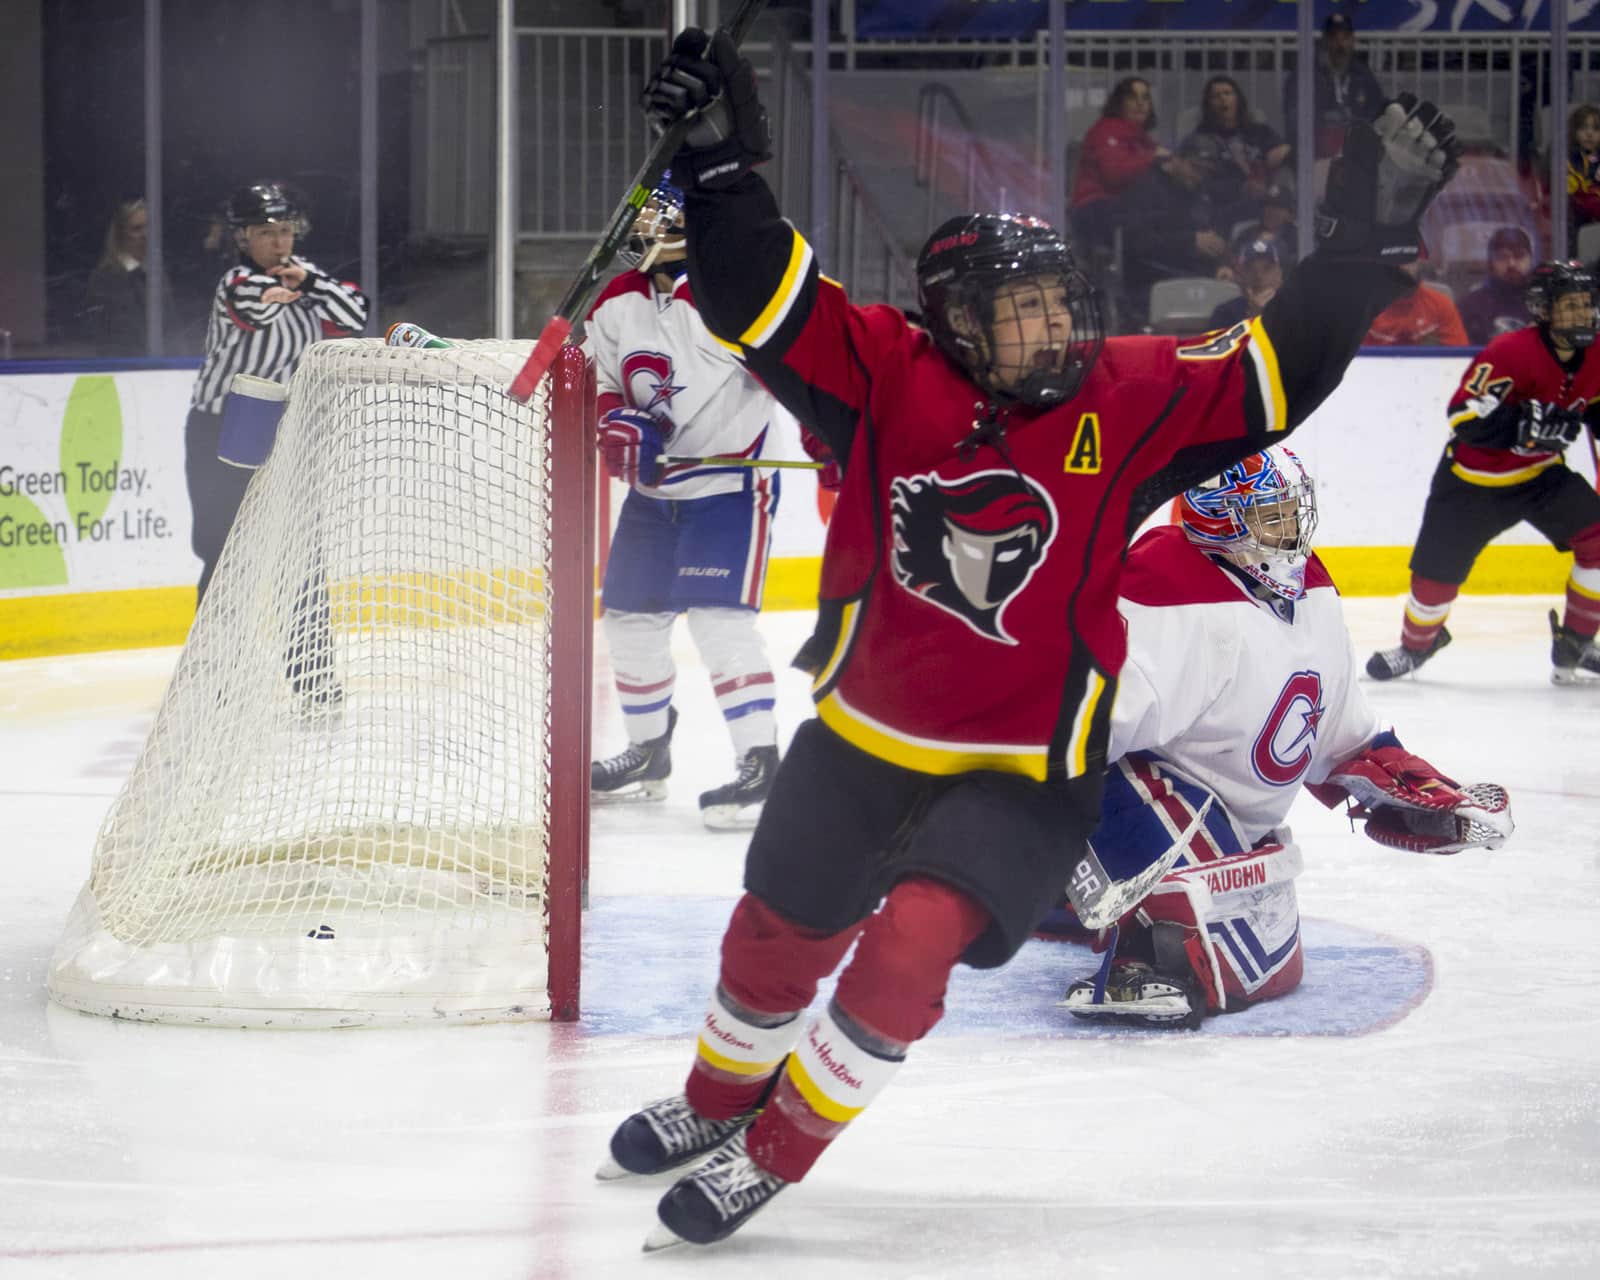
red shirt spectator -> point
(1120, 146)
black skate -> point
(1573, 658)
(318, 699)
(1386, 664)
(638, 773)
(1138, 995)
(738, 805)
(715, 1200)
(663, 1136)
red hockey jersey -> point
(1486, 408)
(969, 590)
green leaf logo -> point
(91, 446)
(24, 564)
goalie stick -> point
(1101, 901)
(582, 290)
(717, 460)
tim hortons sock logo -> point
(835, 1068)
(727, 1037)
(1231, 879)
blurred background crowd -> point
(1168, 138)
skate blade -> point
(644, 793)
(662, 1237)
(1566, 679)
(1161, 1011)
(731, 817)
(611, 1171)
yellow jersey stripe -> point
(847, 629)
(925, 755)
(1466, 415)
(1501, 479)
(1266, 362)
(1574, 585)
(734, 1066)
(1082, 723)
(815, 1098)
(794, 277)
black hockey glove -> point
(705, 81)
(1547, 428)
(1382, 183)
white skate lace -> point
(734, 1182)
(624, 762)
(681, 1129)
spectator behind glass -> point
(1240, 159)
(1258, 271)
(114, 300)
(1583, 172)
(1119, 150)
(1425, 317)
(1499, 304)
(1343, 89)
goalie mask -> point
(1260, 515)
(1003, 298)
(658, 237)
(1561, 298)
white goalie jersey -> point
(651, 351)
(1246, 701)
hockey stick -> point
(1101, 901)
(582, 290)
(686, 460)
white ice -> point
(1426, 1105)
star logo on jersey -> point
(969, 546)
(647, 381)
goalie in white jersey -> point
(1241, 686)
(691, 538)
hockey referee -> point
(268, 309)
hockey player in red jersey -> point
(1240, 687)
(995, 465)
(1523, 400)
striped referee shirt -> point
(267, 339)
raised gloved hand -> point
(631, 442)
(705, 81)
(1382, 184)
(1547, 427)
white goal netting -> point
(343, 812)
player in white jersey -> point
(691, 538)
(1241, 686)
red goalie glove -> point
(1410, 805)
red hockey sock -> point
(1582, 616)
(1426, 609)
(770, 971)
(891, 995)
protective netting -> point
(341, 810)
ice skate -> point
(715, 1200)
(663, 1136)
(737, 805)
(638, 773)
(1136, 994)
(1573, 658)
(1386, 664)
(319, 700)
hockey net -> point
(364, 798)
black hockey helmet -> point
(265, 202)
(1549, 283)
(962, 267)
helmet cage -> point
(1261, 516)
(1552, 281)
(658, 227)
(963, 267)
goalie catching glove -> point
(1382, 183)
(1410, 805)
(631, 442)
(704, 81)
